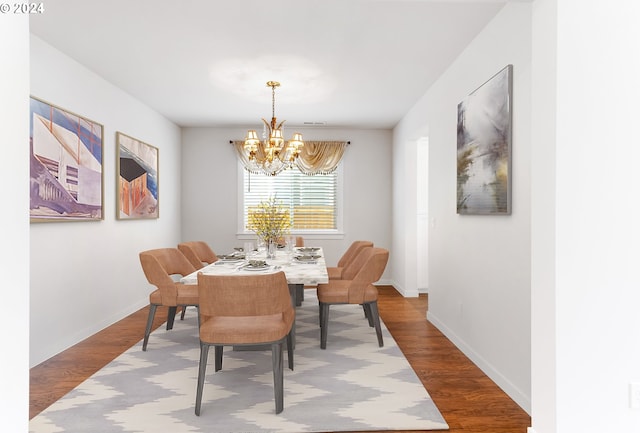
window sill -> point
(316, 234)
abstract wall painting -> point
(137, 184)
(484, 148)
(66, 165)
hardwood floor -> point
(469, 401)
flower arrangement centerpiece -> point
(270, 220)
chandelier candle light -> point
(272, 155)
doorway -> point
(422, 213)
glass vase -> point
(271, 249)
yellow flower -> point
(270, 220)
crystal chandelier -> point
(271, 155)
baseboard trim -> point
(404, 292)
(512, 391)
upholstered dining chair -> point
(358, 289)
(199, 253)
(159, 266)
(245, 310)
(299, 241)
(335, 272)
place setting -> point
(233, 258)
(258, 266)
(307, 255)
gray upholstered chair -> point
(356, 289)
(245, 310)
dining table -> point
(302, 266)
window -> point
(314, 201)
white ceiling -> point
(349, 63)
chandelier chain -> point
(273, 100)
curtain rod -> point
(348, 142)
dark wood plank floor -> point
(469, 401)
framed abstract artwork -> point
(484, 148)
(137, 178)
(66, 165)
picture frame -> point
(484, 147)
(137, 179)
(66, 163)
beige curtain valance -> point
(316, 157)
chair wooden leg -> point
(204, 354)
(375, 316)
(184, 309)
(147, 331)
(171, 316)
(218, 356)
(290, 349)
(324, 319)
(367, 314)
(278, 381)
(299, 294)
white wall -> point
(86, 275)
(209, 187)
(479, 266)
(592, 288)
(14, 225)
(543, 214)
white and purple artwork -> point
(65, 165)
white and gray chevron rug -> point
(353, 385)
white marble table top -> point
(295, 271)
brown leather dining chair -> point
(299, 241)
(245, 310)
(335, 272)
(199, 253)
(159, 265)
(357, 289)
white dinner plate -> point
(234, 257)
(308, 249)
(307, 261)
(254, 268)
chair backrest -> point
(244, 295)
(198, 253)
(352, 252)
(350, 271)
(160, 264)
(374, 266)
(299, 241)
(375, 263)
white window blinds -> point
(312, 200)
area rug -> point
(353, 385)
